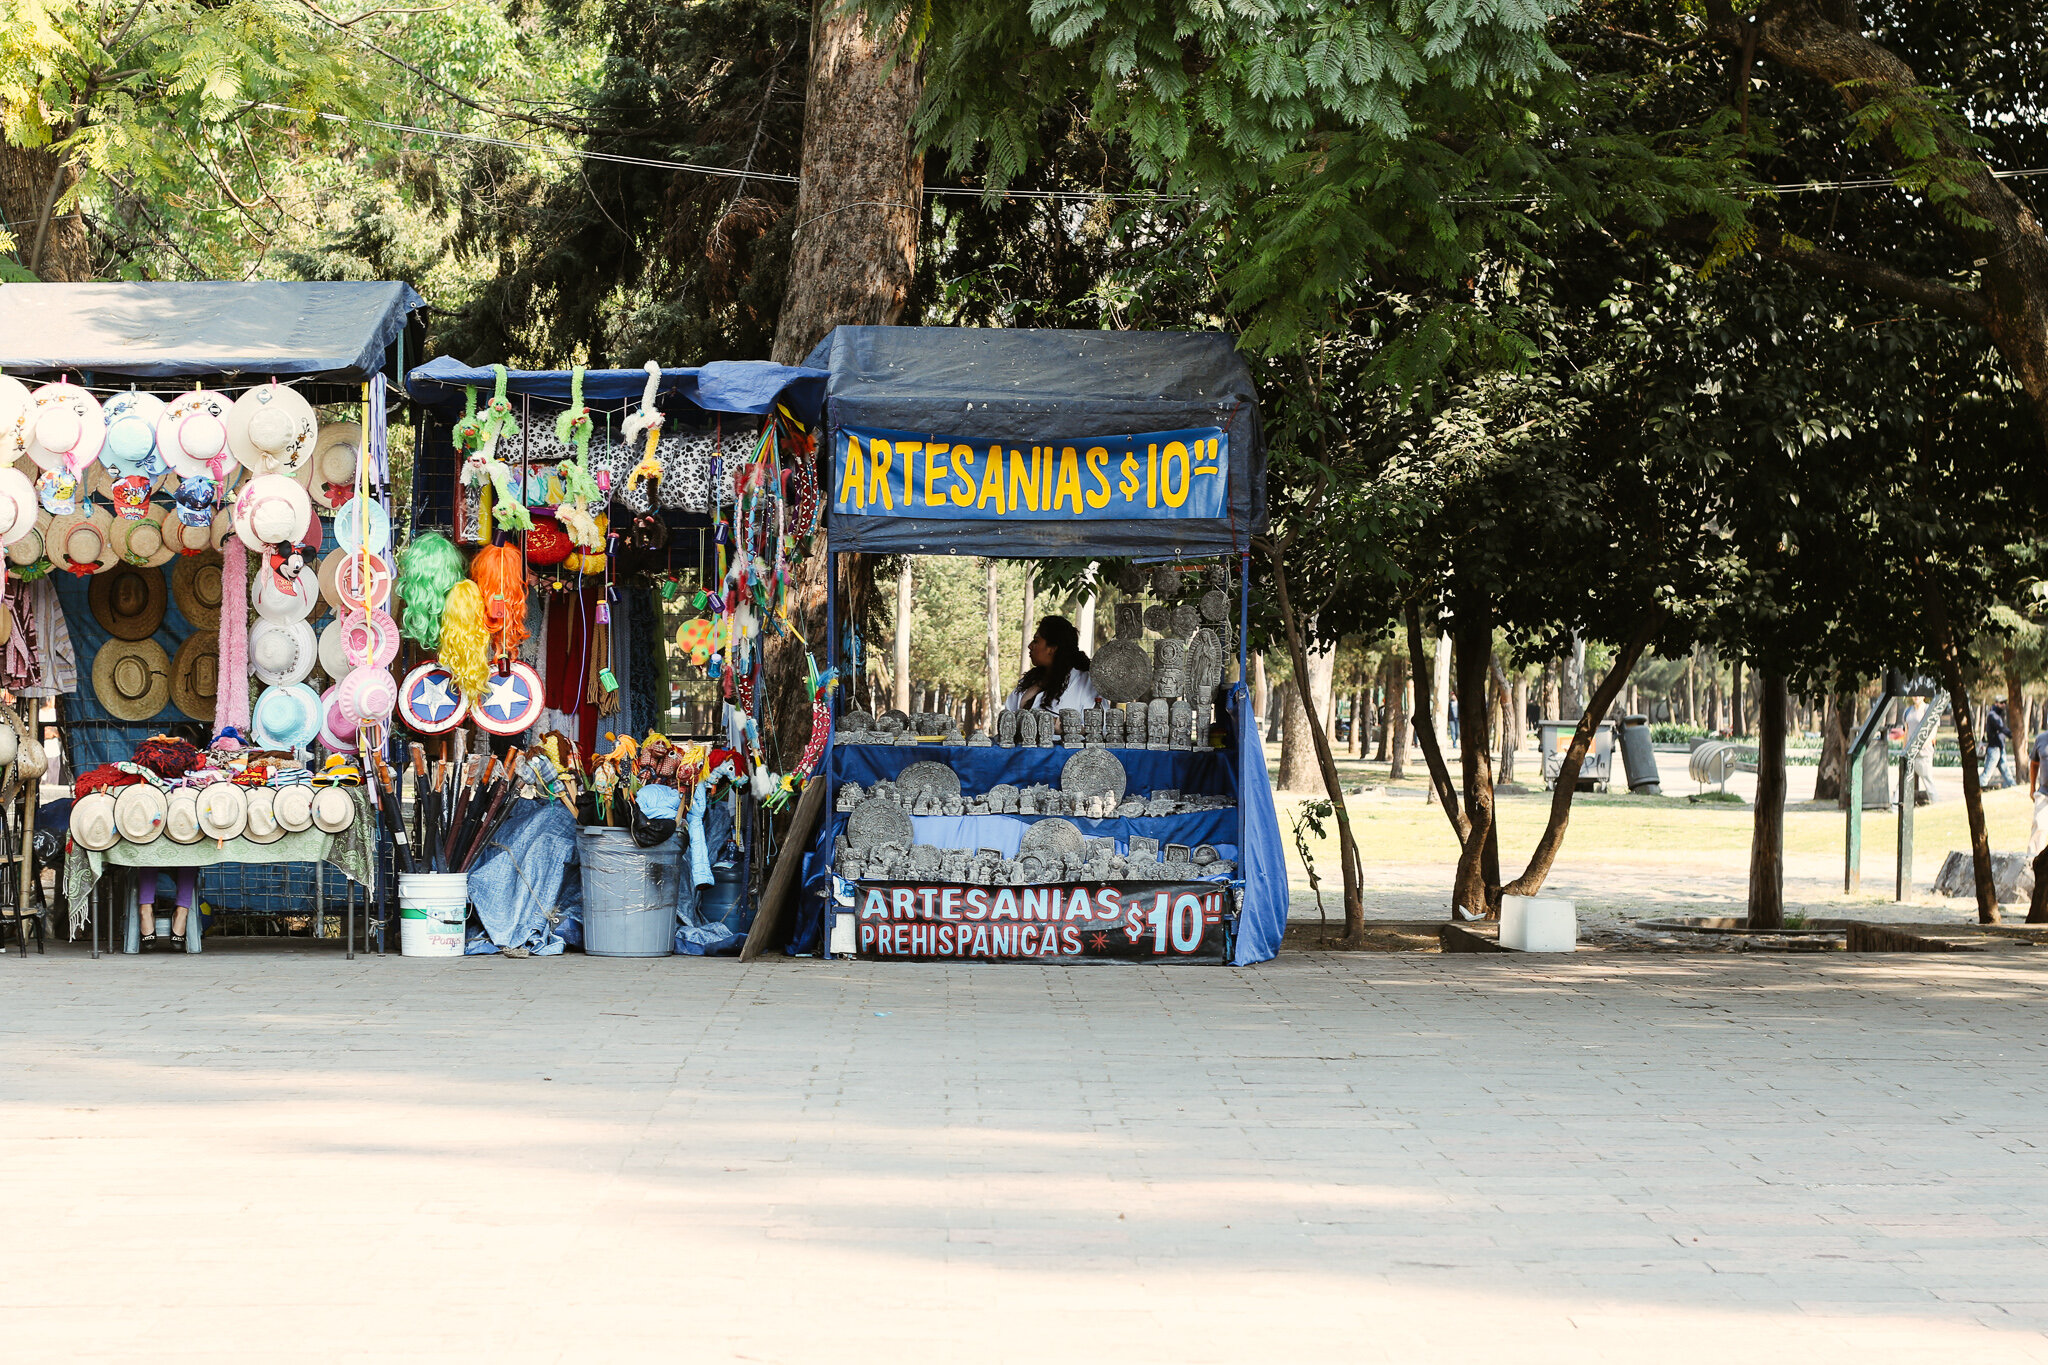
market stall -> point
(193, 476)
(581, 539)
(1138, 827)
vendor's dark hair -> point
(1051, 680)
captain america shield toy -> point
(430, 703)
(511, 701)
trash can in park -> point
(1638, 758)
(1556, 736)
(629, 894)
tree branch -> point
(1966, 304)
(1424, 722)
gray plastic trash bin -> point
(629, 894)
(1638, 758)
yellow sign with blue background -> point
(1149, 475)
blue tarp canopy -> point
(746, 387)
(338, 331)
(1022, 388)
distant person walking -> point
(1923, 765)
(1997, 739)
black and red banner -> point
(1079, 922)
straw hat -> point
(192, 436)
(18, 506)
(222, 809)
(195, 675)
(271, 429)
(281, 652)
(220, 528)
(330, 475)
(14, 398)
(141, 541)
(132, 421)
(132, 678)
(30, 549)
(181, 816)
(260, 816)
(279, 605)
(294, 806)
(139, 813)
(92, 822)
(272, 510)
(348, 526)
(128, 602)
(286, 716)
(64, 426)
(334, 810)
(196, 588)
(82, 542)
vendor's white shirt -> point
(1079, 696)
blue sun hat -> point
(130, 447)
(286, 717)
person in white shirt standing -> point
(1058, 679)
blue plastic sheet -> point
(710, 846)
(744, 387)
(1263, 864)
(517, 885)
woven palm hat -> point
(272, 510)
(272, 429)
(259, 819)
(140, 540)
(132, 678)
(196, 588)
(334, 810)
(294, 806)
(92, 822)
(281, 652)
(181, 816)
(65, 427)
(193, 435)
(31, 549)
(139, 813)
(82, 541)
(337, 451)
(18, 506)
(128, 602)
(222, 527)
(223, 807)
(195, 675)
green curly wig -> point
(427, 568)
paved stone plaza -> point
(262, 1154)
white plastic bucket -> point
(432, 907)
(1539, 924)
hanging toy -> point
(574, 429)
(508, 508)
(646, 421)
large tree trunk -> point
(905, 605)
(1767, 832)
(1347, 845)
(1427, 736)
(52, 244)
(993, 658)
(1950, 656)
(1476, 889)
(2000, 236)
(1300, 770)
(1837, 726)
(1440, 694)
(1397, 720)
(1030, 626)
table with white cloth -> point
(353, 852)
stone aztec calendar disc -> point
(1094, 772)
(930, 776)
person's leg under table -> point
(186, 923)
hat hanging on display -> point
(31, 548)
(61, 492)
(192, 437)
(223, 807)
(181, 816)
(369, 637)
(221, 529)
(294, 806)
(130, 495)
(348, 530)
(430, 702)
(337, 731)
(511, 702)
(195, 587)
(14, 396)
(281, 652)
(361, 582)
(140, 542)
(92, 822)
(333, 653)
(259, 816)
(132, 678)
(270, 600)
(130, 449)
(271, 510)
(366, 694)
(139, 813)
(272, 429)
(18, 506)
(82, 541)
(331, 474)
(64, 426)
(195, 675)
(128, 602)
(334, 810)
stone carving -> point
(1006, 729)
(1159, 716)
(1130, 620)
(1181, 725)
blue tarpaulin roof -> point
(747, 387)
(1023, 385)
(336, 330)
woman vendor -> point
(1058, 679)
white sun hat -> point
(64, 427)
(275, 603)
(13, 430)
(18, 506)
(139, 813)
(222, 810)
(282, 652)
(272, 429)
(132, 422)
(294, 805)
(272, 510)
(92, 822)
(334, 810)
(259, 821)
(193, 435)
(181, 816)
